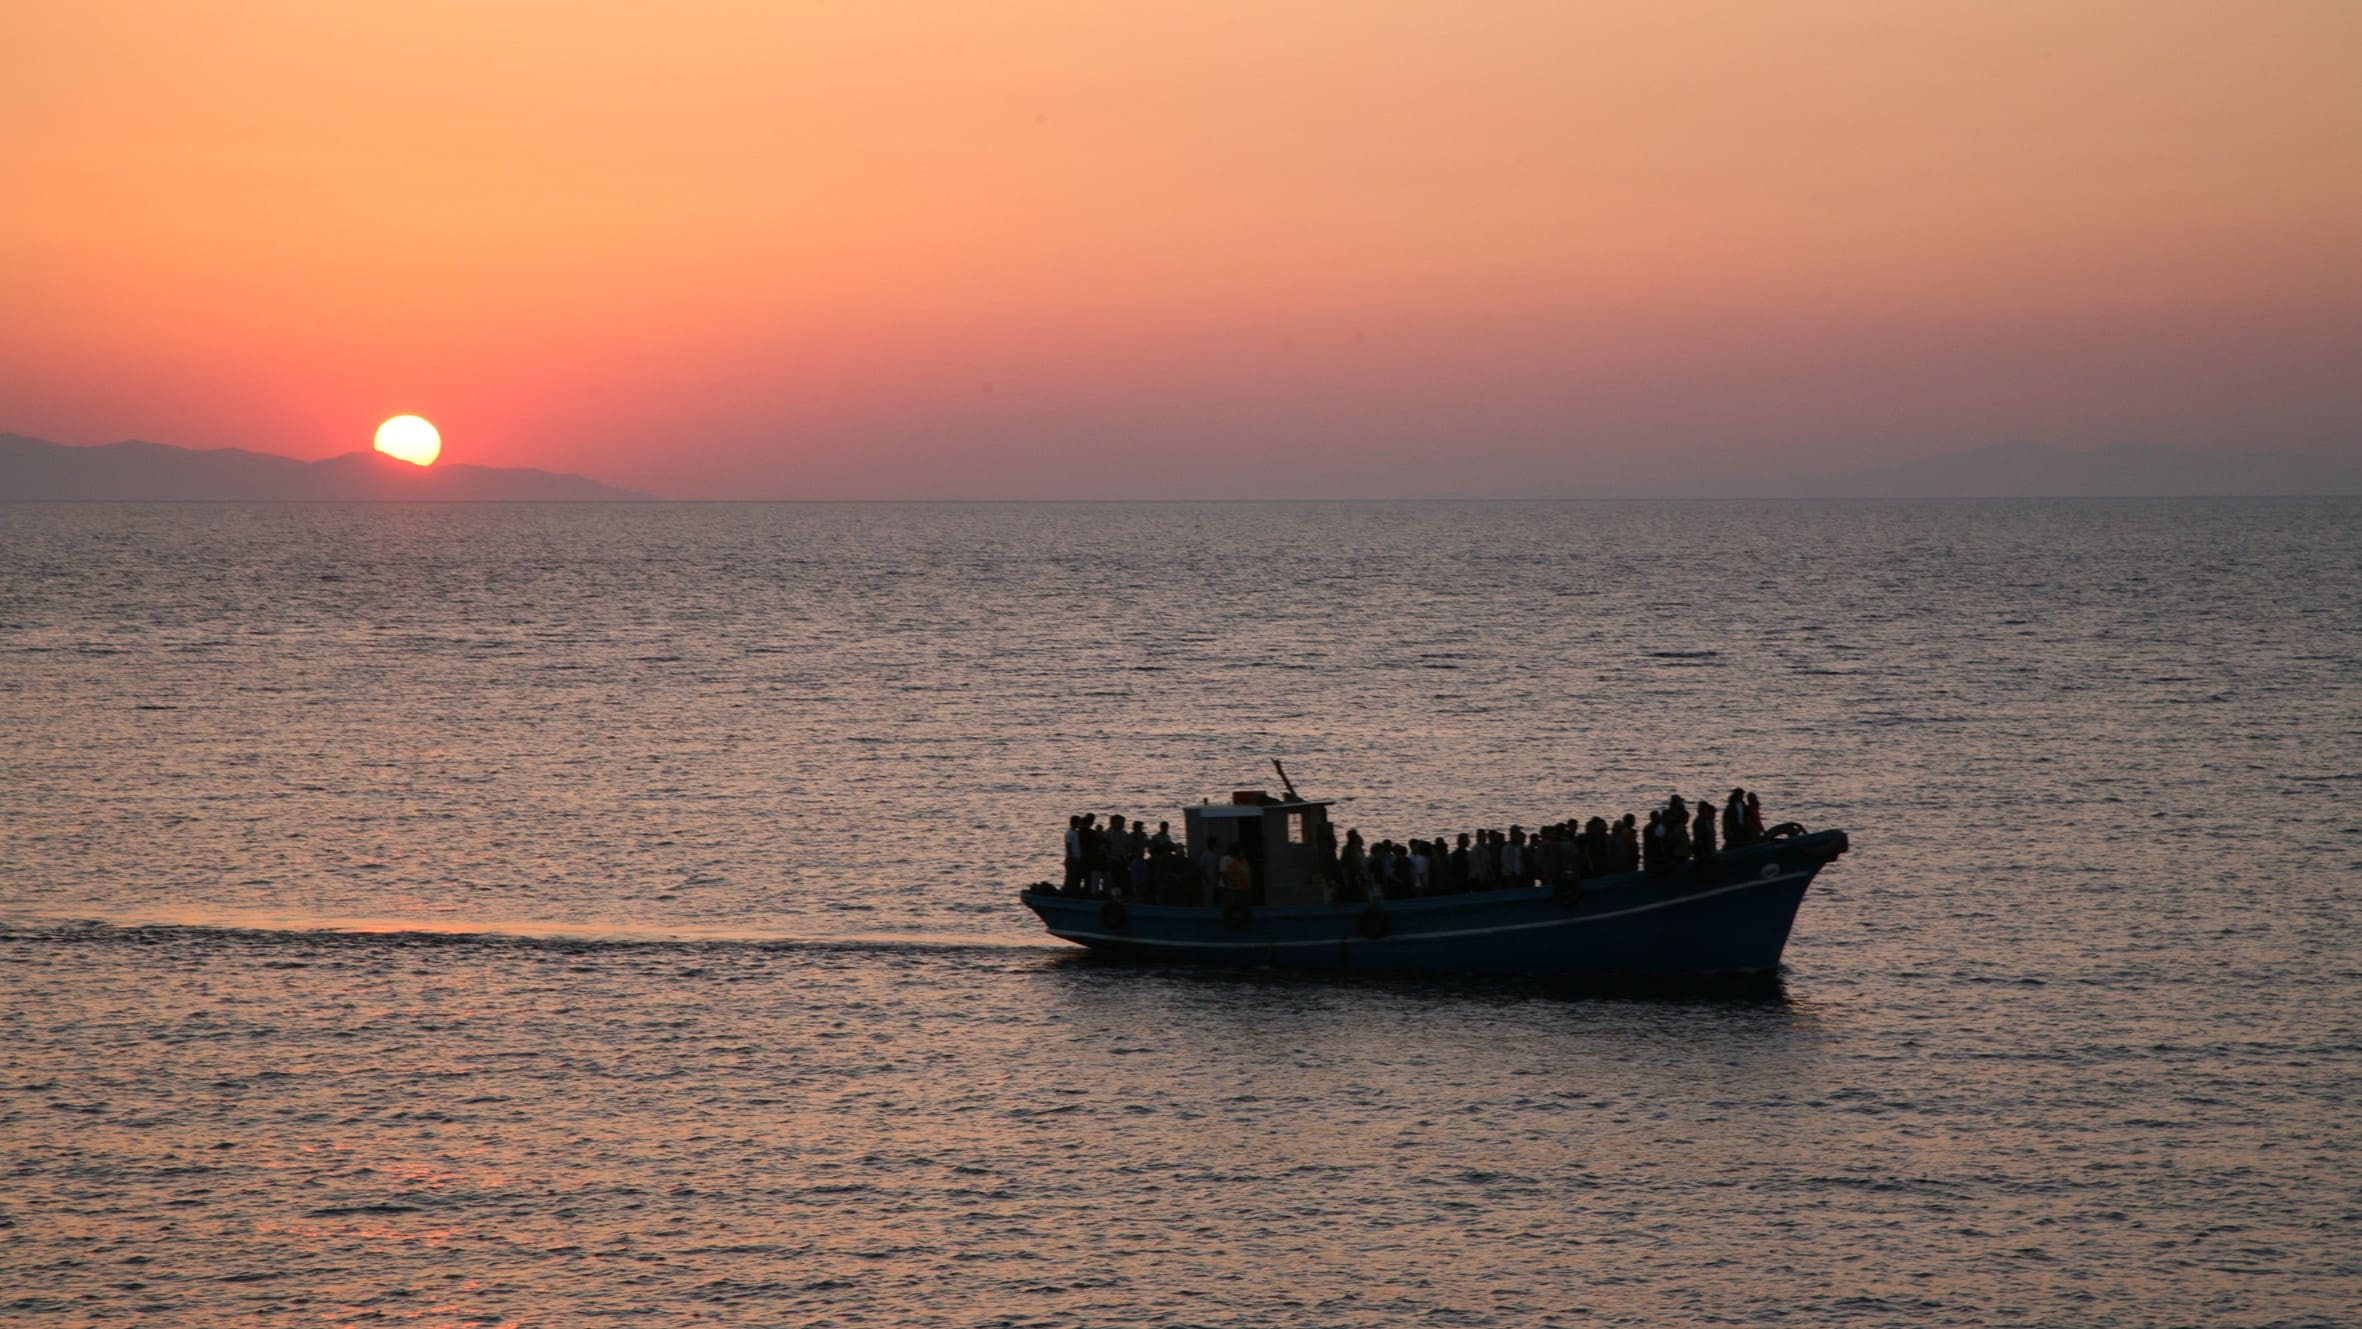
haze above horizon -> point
(1065, 250)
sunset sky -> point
(822, 249)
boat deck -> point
(1728, 914)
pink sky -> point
(1027, 248)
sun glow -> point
(409, 438)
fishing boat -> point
(1725, 914)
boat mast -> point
(1293, 796)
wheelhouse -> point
(1282, 838)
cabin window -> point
(1295, 828)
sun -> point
(409, 438)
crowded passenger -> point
(1124, 861)
(1238, 877)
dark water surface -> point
(485, 914)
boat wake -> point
(291, 928)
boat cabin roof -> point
(1257, 809)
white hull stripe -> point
(1569, 921)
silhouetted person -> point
(1356, 866)
(1754, 819)
(1136, 875)
(1702, 830)
(1734, 819)
(1094, 855)
(1238, 878)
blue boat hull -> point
(1729, 915)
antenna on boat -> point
(1293, 796)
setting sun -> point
(409, 438)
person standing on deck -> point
(1164, 878)
(1136, 875)
(1702, 830)
(1074, 855)
(1115, 849)
(1754, 819)
(1238, 878)
(1094, 854)
(1734, 819)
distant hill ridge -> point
(32, 468)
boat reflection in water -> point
(1728, 914)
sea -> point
(489, 914)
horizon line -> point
(648, 500)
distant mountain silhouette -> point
(32, 468)
(2123, 470)
(37, 469)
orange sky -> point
(827, 249)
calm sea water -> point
(483, 914)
